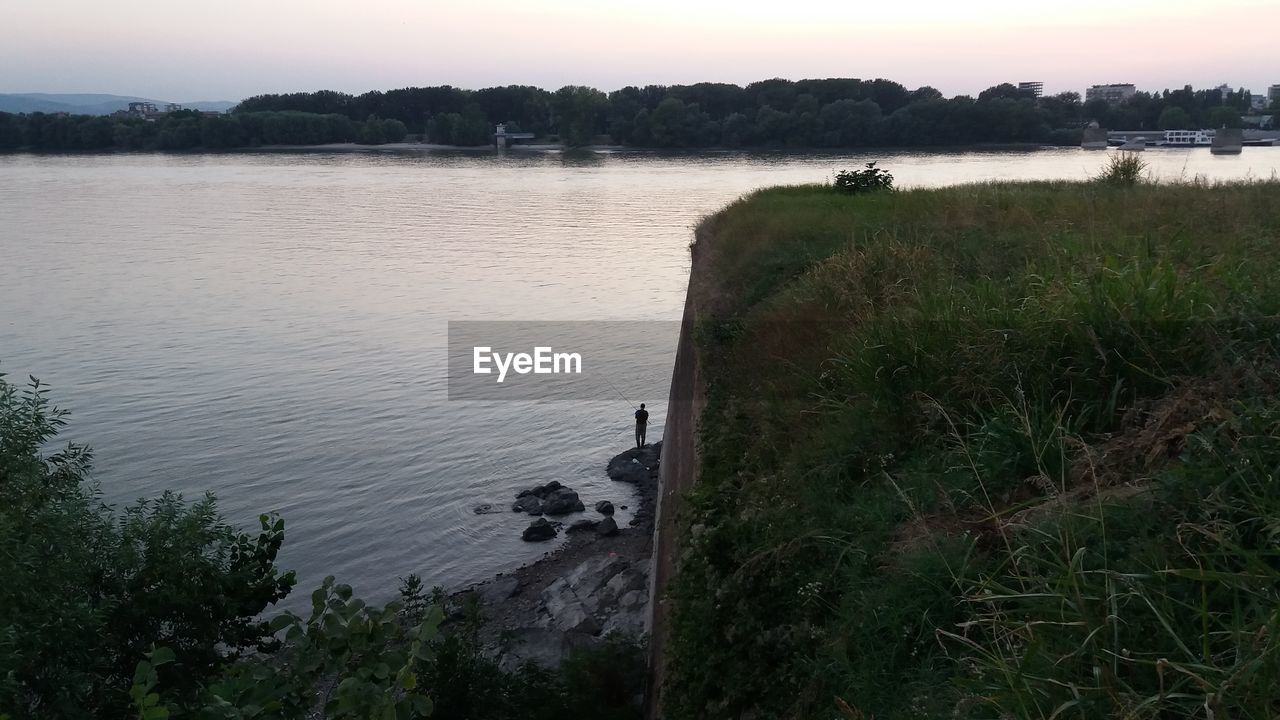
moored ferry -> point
(1188, 138)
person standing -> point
(642, 422)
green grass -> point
(987, 451)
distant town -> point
(151, 111)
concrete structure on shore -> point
(1227, 141)
(1035, 87)
(1114, 94)
(1095, 138)
(502, 138)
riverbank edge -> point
(411, 147)
(513, 605)
(678, 474)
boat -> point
(1188, 138)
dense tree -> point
(1224, 116)
(370, 133)
(1174, 118)
(845, 123)
(579, 113)
(86, 595)
(97, 134)
(221, 132)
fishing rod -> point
(615, 389)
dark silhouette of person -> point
(642, 422)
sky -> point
(231, 49)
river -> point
(271, 326)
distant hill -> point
(90, 103)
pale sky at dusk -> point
(227, 50)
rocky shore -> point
(593, 586)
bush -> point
(872, 179)
(1123, 168)
(86, 594)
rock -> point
(607, 527)
(635, 465)
(531, 504)
(541, 490)
(539, 530)
(486, 509)
(493, 593)
(539, 646)
(576, 618)
(562, 501)
(582, 525)
(604, 507)
(550, 499)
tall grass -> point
(971, 452)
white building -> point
(1113, 94)
(1036, 87)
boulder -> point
(531, 504)
(562, 501)
(604, 507)
(582, 525)
(607, 527)
(540, 490)
(544, 647)
(539, 530)
(493, 593)
(635, 465)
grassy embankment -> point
(986, 451)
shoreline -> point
(592, 586)
(554, 148)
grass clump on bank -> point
(987, 451)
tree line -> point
(189, 129)
(837, 112)
(822, 113)
(833, 112)
(1182, 109)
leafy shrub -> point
(1123, 168)
(872, 179)
(602, 683)
(87, 594)
(346, 661)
